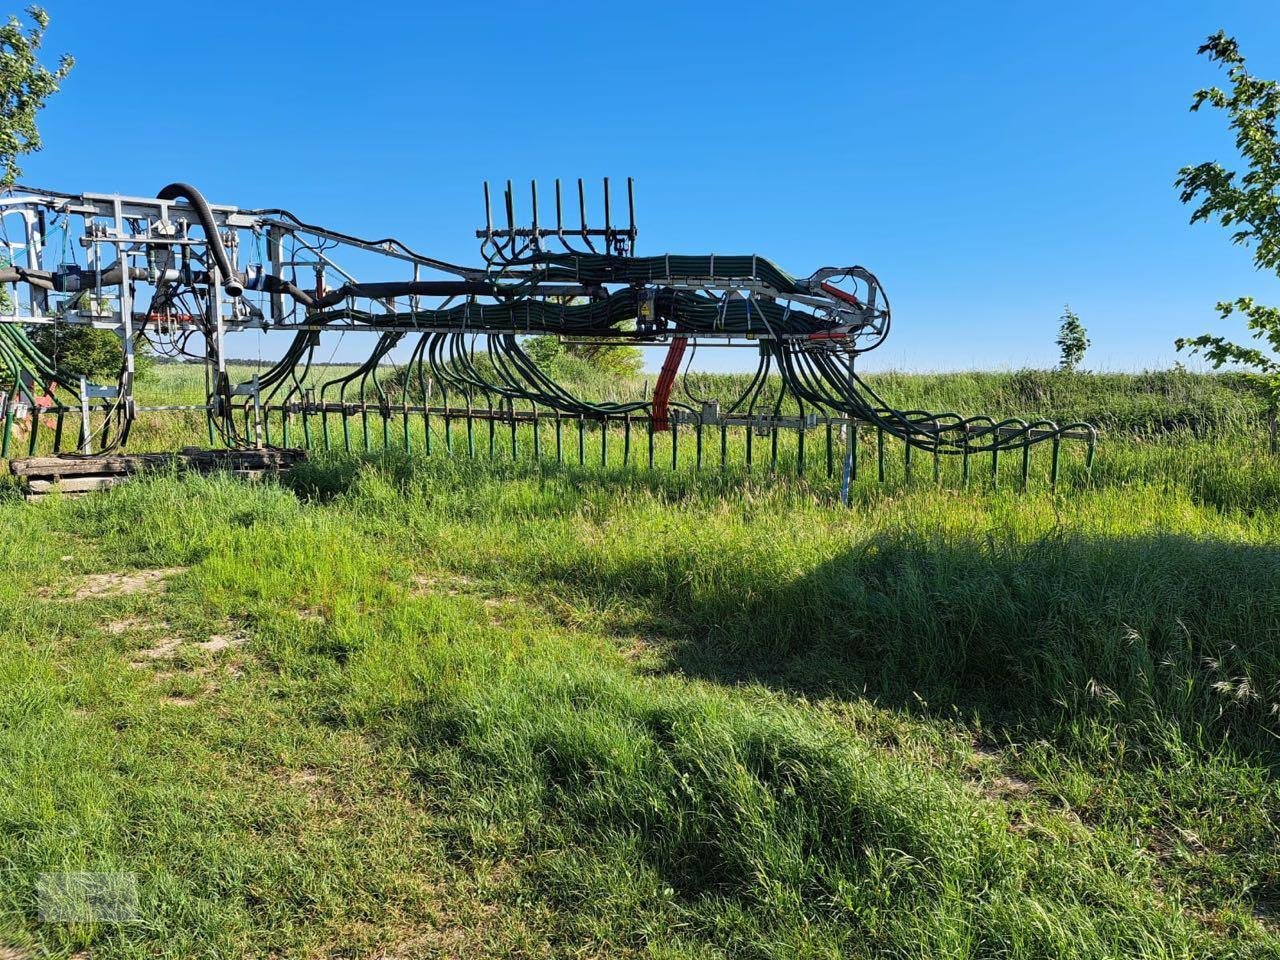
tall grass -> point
(521, 707)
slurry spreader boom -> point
(185, 275)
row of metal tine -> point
(837, 444)
(614, 237)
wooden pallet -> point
(76, 476)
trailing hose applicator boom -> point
(186, 276)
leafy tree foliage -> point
(95, 354)
(617, 360)
(1073, 340)
(25, 84)
(1248, 205)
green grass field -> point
(405, 706)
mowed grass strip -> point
(504, 710)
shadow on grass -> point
(1158, 633)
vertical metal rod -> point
(488, 212)
(533, 194)
(698, 445)
(773, 448)
(724, 446)
(512, 410)
(626, 440)
(631, 211)
(582, 440)
(426, 418)
(448, 420)
(880, 451)
(582, 208)
(559, 216)
(57, 429)
(559, 439)
(493, 427)
(850, 472)
(604, 441)
(8, 428)
(408, 447)
(471, 426)
(608, 225)
(1026, 465)
(364, 422)
(35, 428)
(853, 449)
(750, 436)
(800, 450)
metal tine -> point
(852, 427)
(511, 405)
(493, 425)
(471, 433)
(559, 216)
(533, 195)
(488, 212)
(582, 209)
(511, 216)
(535, 423)
(608, 225)
(631, 210)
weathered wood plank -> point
(74, 484)
(123, 464)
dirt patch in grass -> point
(122, 584)
(1002, 785)
(219, 642)
(447, 584)
(132, 625)
(160, 651)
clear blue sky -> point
(989, 161)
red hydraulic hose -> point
(667, 379)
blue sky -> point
(989, 161)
